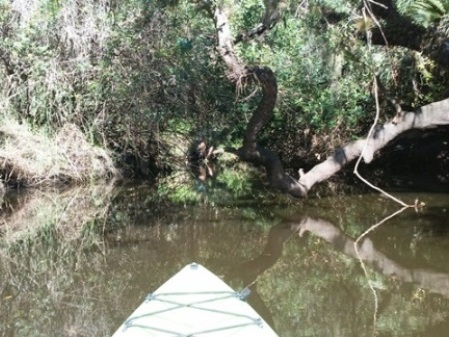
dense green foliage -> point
(141, 76)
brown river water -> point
(96, 254)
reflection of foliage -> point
(65, 212)
(330, 297)
(42, 271)
(179, 188)
(232, 183)
(51, 284)
(49, 241)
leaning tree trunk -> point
(239, 74)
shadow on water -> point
(298, 260)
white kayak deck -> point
(195, 302)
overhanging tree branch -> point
(274, 13)
(431, 115)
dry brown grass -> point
(33, 159)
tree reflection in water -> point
(427, 279)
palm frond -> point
(424, 12)
(443, 25)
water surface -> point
(299, 259)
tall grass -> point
(50, 53)
(50, 50)
(114, 69)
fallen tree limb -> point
(428, 116)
